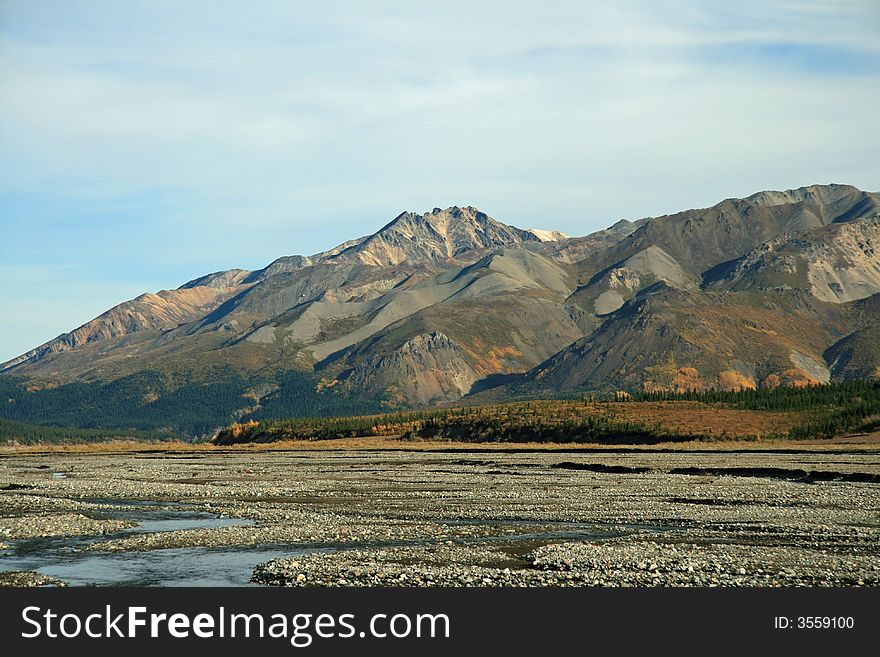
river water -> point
(66, 558)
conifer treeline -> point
(152, 401)
(149, 406)
(21, 433)
(837, 394)
(519, 429)
(539, 421)
(826, 411)
(829, 409)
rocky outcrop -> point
(702, 239)
(425, 369)
(436, 235)
(837, 263)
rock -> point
(26, 578)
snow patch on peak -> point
(547, 235)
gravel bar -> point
(418, 518)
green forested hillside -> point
(152, 401)
(22, 433)
(291, 405)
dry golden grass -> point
(864, 442)
(696, 418)
(717, 427)
(105, 447)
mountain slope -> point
(675, 339)
(701, 239)
(289, 282)
(528, 323)
(149, 312)
(779, 288)
(836, 263)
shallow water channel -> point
(66, 558)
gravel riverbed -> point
(422, 518)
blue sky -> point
(145, 143)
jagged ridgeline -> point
(778, 289)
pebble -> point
(27, 578)
(429, 519)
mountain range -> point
(778, 288)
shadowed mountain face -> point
(777, 288)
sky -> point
(143, 144)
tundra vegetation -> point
(820, 411)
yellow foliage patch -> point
(489, 360)
(798, 378)
(687, 378)
(732, 381)
(238, 428)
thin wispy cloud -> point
(170, 138)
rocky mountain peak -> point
(817, 194)
(440, 234)
(779, 286)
